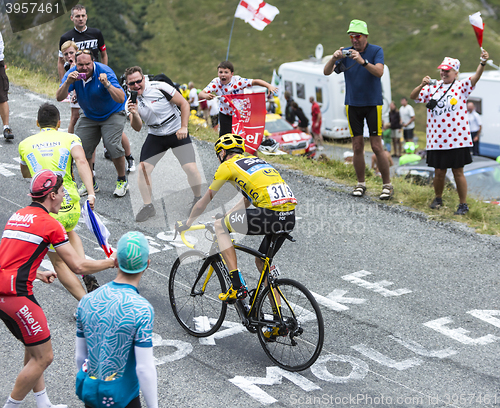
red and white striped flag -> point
(256, 13)
(478, 26)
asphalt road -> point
(410, 305)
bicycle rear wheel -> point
(194, 295)
(296, 344)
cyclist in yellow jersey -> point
(261, 186)
(54, 150)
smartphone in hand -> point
(82, 75)
(133, 96)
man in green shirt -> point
(54, 150)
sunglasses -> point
(88, 52)
(355, 36)
(135, 82)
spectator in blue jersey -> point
(363, 66)
(102, 100)
(114, 329)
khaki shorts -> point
(110, 130)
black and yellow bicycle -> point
(283, 313)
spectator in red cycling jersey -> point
(25, 241)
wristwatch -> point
(364, 64)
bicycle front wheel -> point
(194, 288)
(295, 342)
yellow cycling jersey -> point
(51, 150)
(259, 182)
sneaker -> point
(7, 133)
(106, 154)
(359, 191)
(90, 282)
(130, 163)
(232, 295)
(462, 209)
(387, 192)
(193, 203)
(83, 190)
(437, 203)
(146, 212)
(121, 188)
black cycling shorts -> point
(356, 116)
(261, 221)
(155, 147)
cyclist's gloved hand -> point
(218, 216)
(181, 226)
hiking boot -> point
(359, 191)
(232, 295)
(387, 192)
(193, 203)
(90, 283)
(437, 203)
(83, 190)
(462, 209)
(7, 133)
(130, 163)
(146, 212)
(121, 188)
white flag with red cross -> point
(256, 13)
(478, 26)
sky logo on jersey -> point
(34, 164)
(251, 166)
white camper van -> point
(304, 79)
(487, 102)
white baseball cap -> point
(450, 63)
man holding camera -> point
(157, 104)
(102, 100)
(363, 66)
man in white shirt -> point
(475, 124)
(407, 114)
(166, 114)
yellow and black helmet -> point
(229, 141)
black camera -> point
(431, 104)
(133, 96)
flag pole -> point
(231, 34)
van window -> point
(289, 87)
(301, 91)
(477, 104)
(319, 95)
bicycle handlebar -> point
(192, 228)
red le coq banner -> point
(249, 118)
